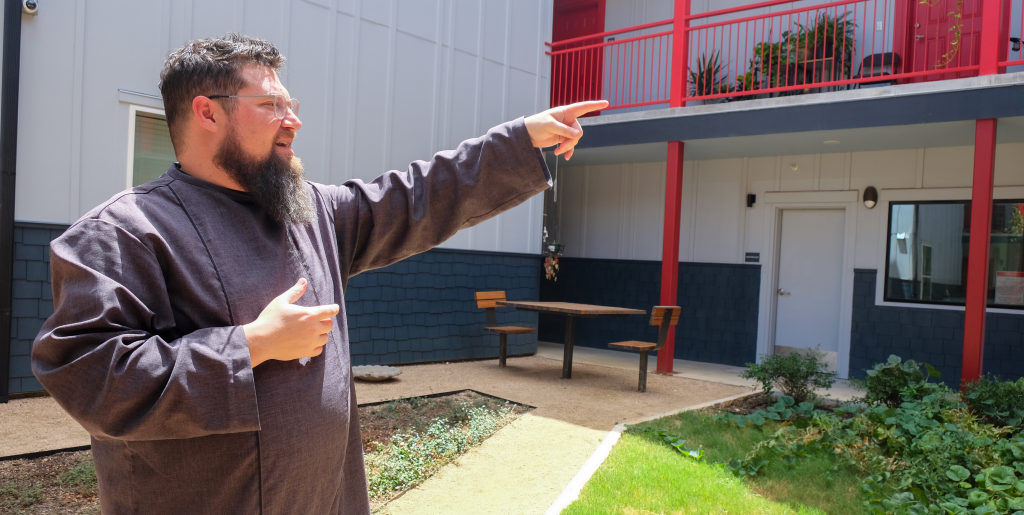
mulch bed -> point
(378, 422)
(33, 486)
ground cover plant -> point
(408, 440)
(404, 441)
(930, 452)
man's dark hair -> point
(211, 66)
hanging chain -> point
(555, 188)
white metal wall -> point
(382, 82)
(616, 211)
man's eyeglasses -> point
(281, 103)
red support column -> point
(670, 246)
(674, 180)
(993, 38)
(977, 255)
(680, 53)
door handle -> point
(918, 36)
(783, 292)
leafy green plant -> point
(677, 443)
(956, 27)
(894, 381)
(1000, 402)
(796, 374)
(707, 78)
(82, 477)
(834, 35)
(785, 409)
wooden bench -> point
(488, 300)
(662, 316)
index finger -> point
(581, 108)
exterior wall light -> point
(870, 197)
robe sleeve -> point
(400, 214)
(105, 355)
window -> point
(928, 246)
(151, 151)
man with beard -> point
(204, 387)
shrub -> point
(894, 381)
(999, 402)
(796, 374)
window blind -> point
(153, 152)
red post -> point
(670, 246)
(993, 38)
(977, 254)
(674, 179)
(680, 57)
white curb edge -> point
(572, 490)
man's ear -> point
(207, 113)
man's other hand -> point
(559, 126)
(285, 331)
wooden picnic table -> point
(571, 312)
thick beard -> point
(275, 182)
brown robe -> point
(146, 351)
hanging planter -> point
(551, 250)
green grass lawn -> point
(643, 475)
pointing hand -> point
(559, 126)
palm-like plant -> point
(707, 78)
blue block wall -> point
(32, 298)
(417, 310)
(934, 336)
(720, 304)
(422, 308)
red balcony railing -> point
(746, 52)
(626, 67)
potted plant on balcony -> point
(707, 79)
(828, 43)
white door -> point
(810, 277)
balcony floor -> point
(933, 114)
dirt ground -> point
(37, 424)
(596, 397)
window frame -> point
(132, 110)
(887, 197)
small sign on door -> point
(1010, 288)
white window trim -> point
(885, 197)
(132, 109)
